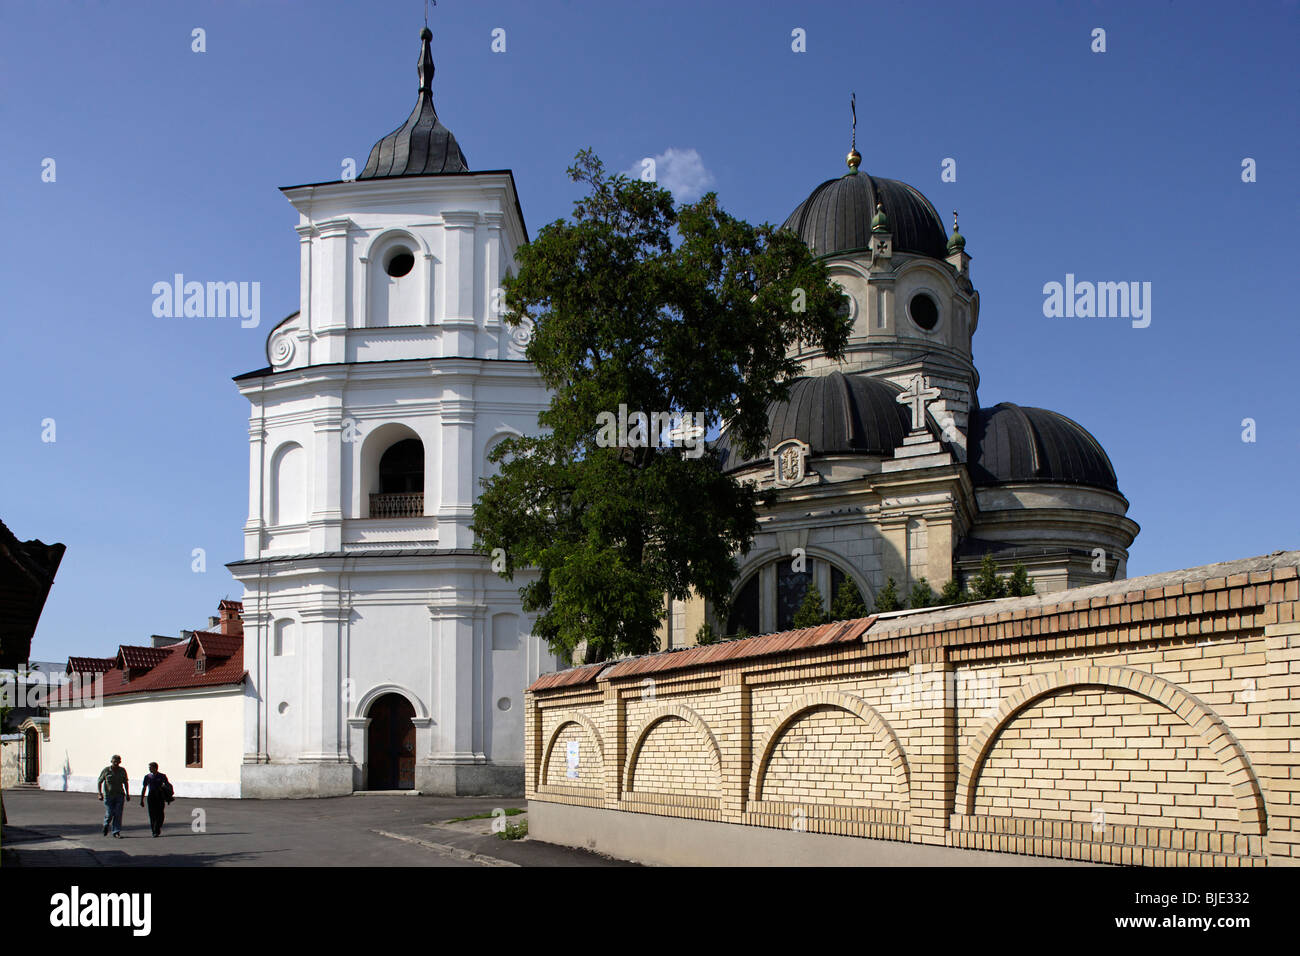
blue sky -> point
(1115, 166)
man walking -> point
(114, 790)
(156, 787)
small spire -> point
(879, 222)
(958, 242)
(854, 158)
(425, 66)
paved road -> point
(65, 829)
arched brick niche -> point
(573, 727)
(674, 754)
(832, 749)
(1110, 747)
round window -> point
(400, 262)
(845, 309)
(924, 311)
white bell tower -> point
(383, 652)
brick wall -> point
(1152, 721)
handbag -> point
(168, 792)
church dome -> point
(1010, 443)
(421, 146)
(833, 414)
(836, 218)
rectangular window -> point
(194, 743)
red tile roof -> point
(89, 665)
(572, 677)
(231, 606)
(838, 632)
(174, 670)
(141, 658)
(216, 645)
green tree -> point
(811, 612)
(987, 584)
(922, 594)
(887, 599)
(642, 306)
(1020, 584)
(954, 593)
(848, 604)
(705, 634)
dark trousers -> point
(155, 813)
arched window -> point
(401, 481)
(289, 485)
(768, 600)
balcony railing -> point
(407, 504)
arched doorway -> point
(31, 756)
(390, 744)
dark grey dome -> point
(833, 414)
(421, 146)
(836, 218)
(1009, 443)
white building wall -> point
(144, 728)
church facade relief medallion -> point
(789, 463)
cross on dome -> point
(918, 395)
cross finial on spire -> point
(854, 158)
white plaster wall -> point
(143, 729)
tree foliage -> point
(922, 594)
(659, 308)
(1020, 584)
(954, 593)
(987, 584)
(810, 612)
(887, 599)
(848, 604)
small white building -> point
(180, 705)
(383, 652)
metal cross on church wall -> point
(918, 395)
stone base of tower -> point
(277, 781)
(470, 780)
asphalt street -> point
(66, 829)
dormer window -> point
(200, 665)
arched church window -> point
(745, 611)
(770, 597)
(924, 311)
(401, 481)
(791, 586)
(401, 469)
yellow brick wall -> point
(829, 756)
(1106, 759)
(1158, 726)
(673, 759)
